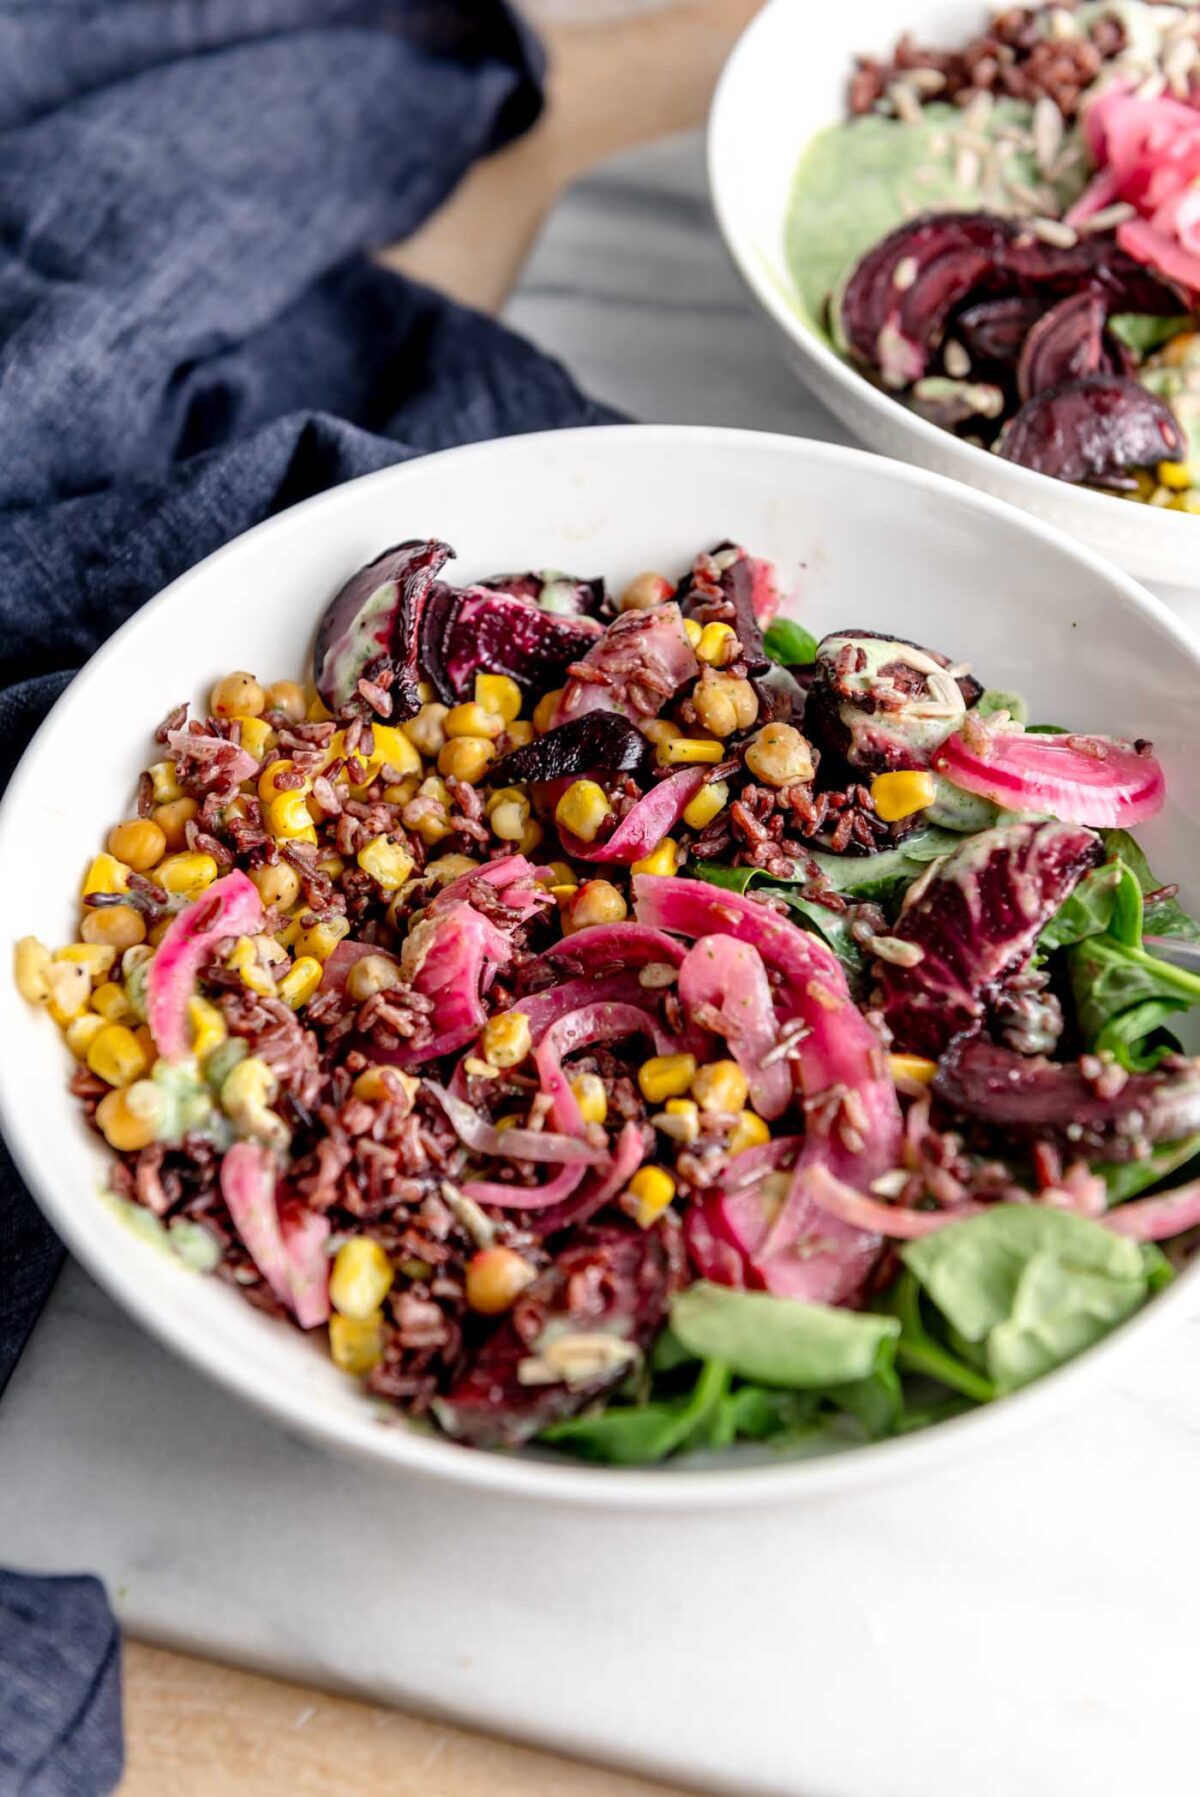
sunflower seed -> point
(1107, 219)
(1047, 133)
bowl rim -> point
(1167, 533)
(403, 1448)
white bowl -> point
(784, 82)
(858, 541)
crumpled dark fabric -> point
(192, 339)
(60, 1688)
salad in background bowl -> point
(990, 226)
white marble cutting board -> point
(1022, 1623)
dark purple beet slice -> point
(475, 629)
(976, 920)
(599, 742)
(610, 1281)
(1093, 430)
(993, 331)
(374, 622)
(1066, 344)
(883, 283)
(564, 595)
(863, 749)
(734, 587)
(1028, 1098)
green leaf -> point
(782, 1341)
(640, 1434)
(1163, 916)
(1123, 994)
(1046, 730)
(756, 1413)
(1034, 1286)
(1142, 332)
(993, 700)
(875, 878)
(876, 1404)
(1089, 909)
(790, 644)
(1125, 1179)
(918, 1352)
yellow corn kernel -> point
(31, 969)
(583, 810)
(288, 818)
(508, 813)
(1175, 475)
(518, 735)
(69, 989)
(320, 939)
(718, 644)
(721, 1086)
(208, 1027)
(361, 1278)
(590, 1096)
(245, 962)
(106, 874)
(662, 860)
(187, 874)
(110, 1002)
(268, 781)
(693, 630)
(472, 719)
(506, 1039)
(129, 1117)
(318, 712)
(899, 795)
(708, 803)
(749, 1131)
(653, 1190)
(301, 981)
(531, 837)
(115, 1054)
(97, 957)
(164, 780)
(394, 750)
(679, 750)
(81, 1031)
(1186, 502)
(257, 735)
(386, 861)
(559, 876)
(385, 1085)
(356, 1345)
(912, 1067)
(498, 694)
(666, 1076)
(660, 730)
(680, 1119)
(544, 710)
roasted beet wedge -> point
(475, 629)
(1096, 430)
(724, 588)
(897, 304)
(1066, 344)
(993, 332)
(373, 626)
(600, 742)
(976, 919)
(564, 595)
(1030, 1099)
(880, 702)
(597, 1309)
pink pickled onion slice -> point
(713, 1257)
(505, 1197)
(1092, 780)
(645, 824)
(237, 764)
(838, 1055)
(599, 1187)
(598, 1022)
(515, 880)
(1147, 242)
(1153, 1219)
(543, 1008)
(849, 1206)
(483, 1137)
(288, 1253)
(609, 947)
(723, 984)
(230, 907)
(451, 956)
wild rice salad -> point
(1005, 234)
(638, 1026)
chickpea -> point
(140, 843)
(374, 973)
(173, 818)
(645, 591)
(426, 732)
(238, 695)
(114, 926)
(128, 1123)
(596, 901)
(544, 710)
(473, 719)
(724, 703)
(780, 755)
(278, 885)
(496, 1277)
(290, 699)
(466, 758)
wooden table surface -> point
(621, 72)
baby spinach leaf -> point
(790, 644)
(1125, 1179)
(757, 1413)
(918, 1352)
(782, 1341)
(1123, 995)
(1046, 730)
(1034, 1286)
(1164, 916)
(1142, 332)
(876, 1404)
(993, 700)
(1089, 909)
(640, 1434)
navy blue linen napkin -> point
(192, 339)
